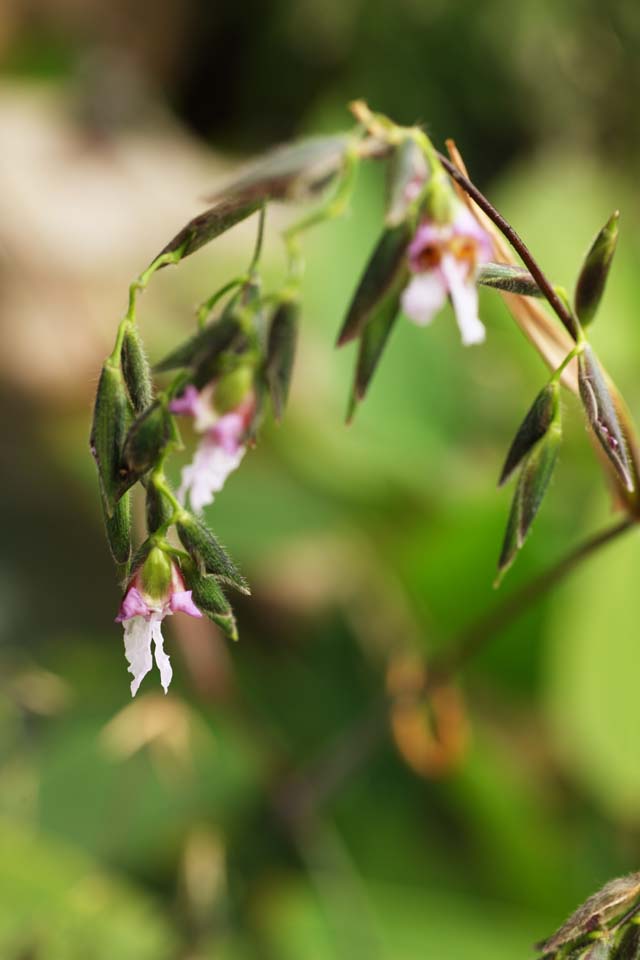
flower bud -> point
(159, 510)
(511, 279)
(118, 530)
(155, 574)
(208, 554)
(533, 428)
(111, 418)
(601, 413)
(387, 268)
(232, 388)
(147, 437)
(281, 348)
(595, 270)
(408, 173)
(536, 473)
(135, 368)
(209, 598)
(372, 343)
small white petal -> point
(137, 649)
(162, 660)
(207, 473)
(464, 295)
(424, 296)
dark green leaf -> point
(386, 264)
(595, 270)
(601, 413)
(281, 348)
(111, 418)
(407, 175)
(136, 370)
(504, 276)
(208, 554)
(533, 428)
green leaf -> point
(406, 177)
(208, 554)
(386, 264)
(111, 419)
(601, 413)
(136, 370)
(595, 270)
(281, 348)
(511, 279)
(533, 428)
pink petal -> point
(424, 296)
(228, 431)
(207, 473)
(465, 225)
(181, 601)
(187, 402)
(464, 296)
(133, 605)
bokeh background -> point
(275, 805)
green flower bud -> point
(601, 413)
(208, 554)
(155, 574)
(231, 389)
(136, 370)
(595, 270)
(111, 418)
(281, 348)
(533, 428)
(408, 172)
(147, 438)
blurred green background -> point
(271, 806)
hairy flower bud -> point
(595, 270)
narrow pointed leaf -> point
(208, 554)
(386, 264)
(219, 218)
(533, 428)
(408, 174)
(595, 270)
(136, 370)
(294, 171)
(281, 348)
(601, 413)
(111, 419)
(511, 279)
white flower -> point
(443, 259)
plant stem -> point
(518, 244)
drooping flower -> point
(443, 258)
(156, 590)
(223, 445)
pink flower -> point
(443, 259)
(156, 591)
(221, 448)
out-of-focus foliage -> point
(270, 806)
